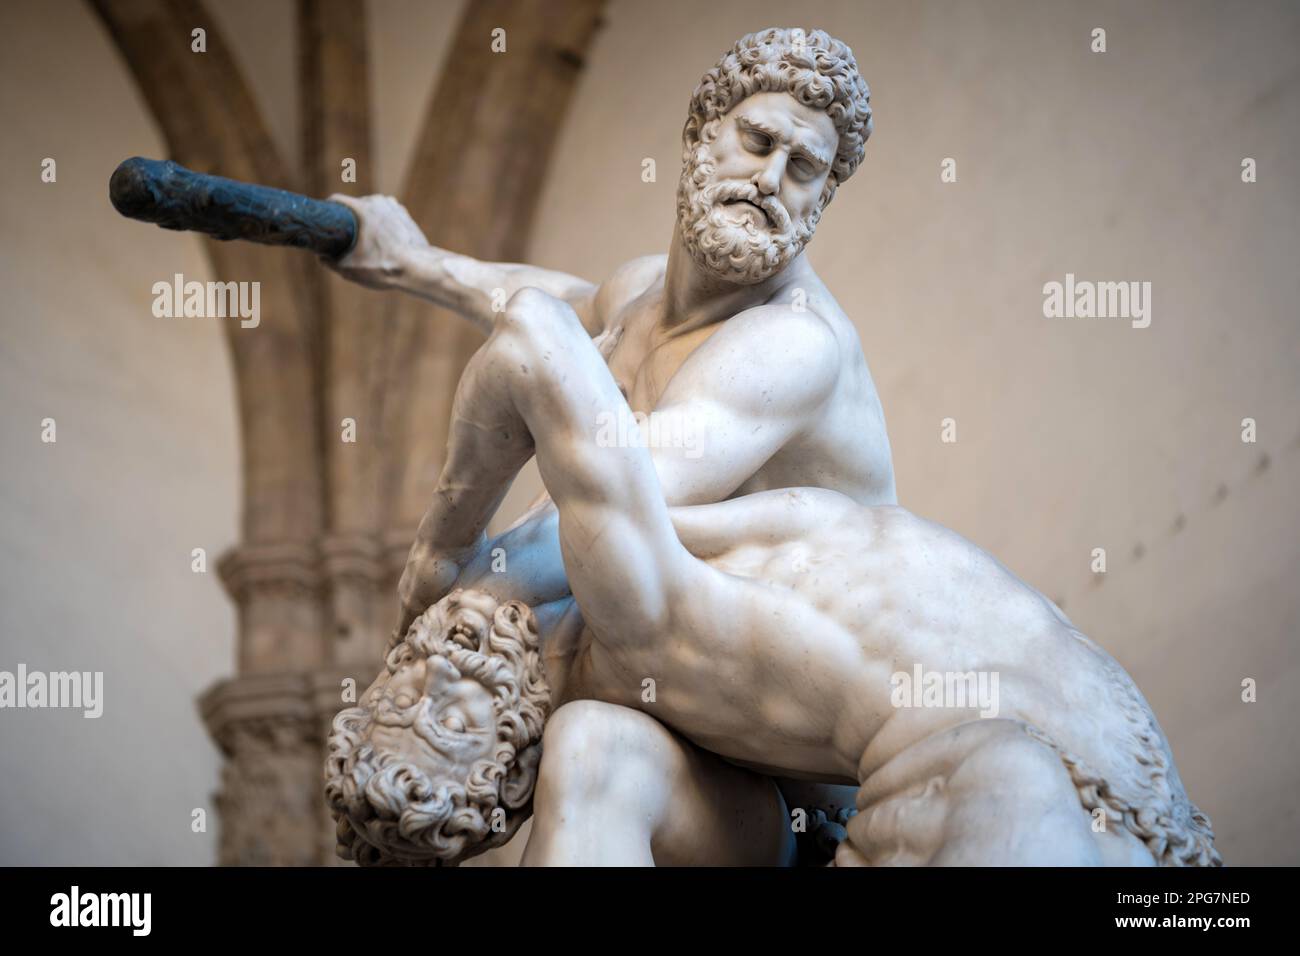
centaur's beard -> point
(735, 248)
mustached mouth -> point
(767, 217)
(463, 635)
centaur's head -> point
(438, 762)
(773, 130)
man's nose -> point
(768, 179)
(440, 673)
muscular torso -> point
(846, 449)
(789, 659)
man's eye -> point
(803, 168)
(756, 141)
(454, 724)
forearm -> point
(479, 290)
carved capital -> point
(281, 567)
(271, 728)
(355, 558)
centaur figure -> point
(774, 626)
(760, 581)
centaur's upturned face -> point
(753, 192)
(438, 759)
(428, 714)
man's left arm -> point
(754, 385)
(759, 381)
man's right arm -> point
(392, 253)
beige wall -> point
(96, 529)
(1072, 434)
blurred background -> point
(177, 434)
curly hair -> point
(812, 66)
(389, 810)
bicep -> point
(597, 306)
(577, 292)
(480, 290)
(704, 449)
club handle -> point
(168, 194)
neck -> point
(695, 297)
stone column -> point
(269, 719)
(315, 581)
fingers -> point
(404, 621)
(384, 213)
(428, 577)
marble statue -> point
(713, 619)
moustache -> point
(730, 192)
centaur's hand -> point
(428, 577)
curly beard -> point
(736, 251)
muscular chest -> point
(646, 358)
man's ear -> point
(517, 788)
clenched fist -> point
(386, 233)
(427, 578)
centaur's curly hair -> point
(812, 66)
(389, 811)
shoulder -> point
(626, 283)
(780, 335)
(768, 358)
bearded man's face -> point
(428, 714)
(749, 200)
(438, 760)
